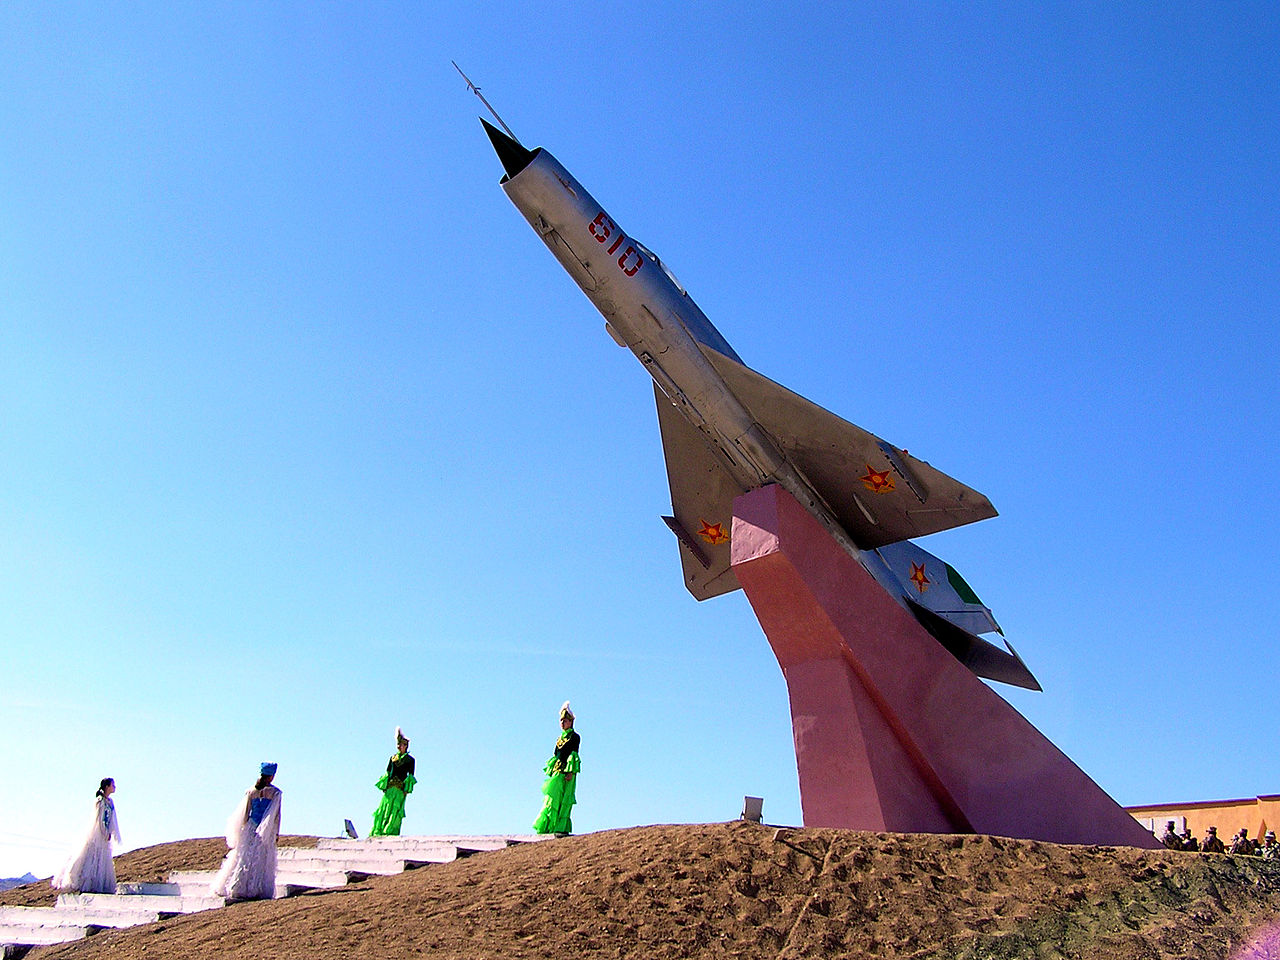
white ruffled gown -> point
(91, 870)
(249, 870)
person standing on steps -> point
(249, 870)
(560, 788)
(90, 869)
(396, 784)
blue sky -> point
(304, 435)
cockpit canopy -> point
(665, 269)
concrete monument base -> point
(891, 731)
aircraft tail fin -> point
(947, 607)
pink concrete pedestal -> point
(891, 731)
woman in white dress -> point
(91, 870)
(249, 871)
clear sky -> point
(304, 434)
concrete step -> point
(336, 862)
(193, 883)
(371, 862)
(196, 883)
(317, 878)
(366, 868)
(353, 852)
(465, 841)
(38, 935)
(75, 915)
(107, 903)
(39, 917)
(149, 889)
(433, 851)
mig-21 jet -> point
(727, 430)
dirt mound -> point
(739, 890)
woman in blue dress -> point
(249, 871)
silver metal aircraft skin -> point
(727, 430)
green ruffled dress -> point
(397, 783)
(560, 788)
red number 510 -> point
(602, 228)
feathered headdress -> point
(400, 737)
(566, 712)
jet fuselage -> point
(649, 312)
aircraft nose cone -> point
(514, 157)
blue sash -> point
(258, 809)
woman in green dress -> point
(396, 784)
(560, 787)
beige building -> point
(1256, 814)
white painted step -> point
(356, 868)
(107, 903)
(418, 853)
(384, 844)
(76, 915)
(465, 841)
(361, 861)
(39, 917)
(149, 889)
(357, 852)
(336, 862)
(196, 883)
(315, 878)
(22, 935)
(192, 883)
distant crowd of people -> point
(249, 870)
(1241, 843)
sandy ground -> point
(737, 890)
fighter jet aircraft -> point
(727, 430)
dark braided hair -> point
(102, 787)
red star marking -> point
(918, 578)
(713, 533)
(877, 481)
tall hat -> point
(565, 711)
(269, 769)
(400, 737)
